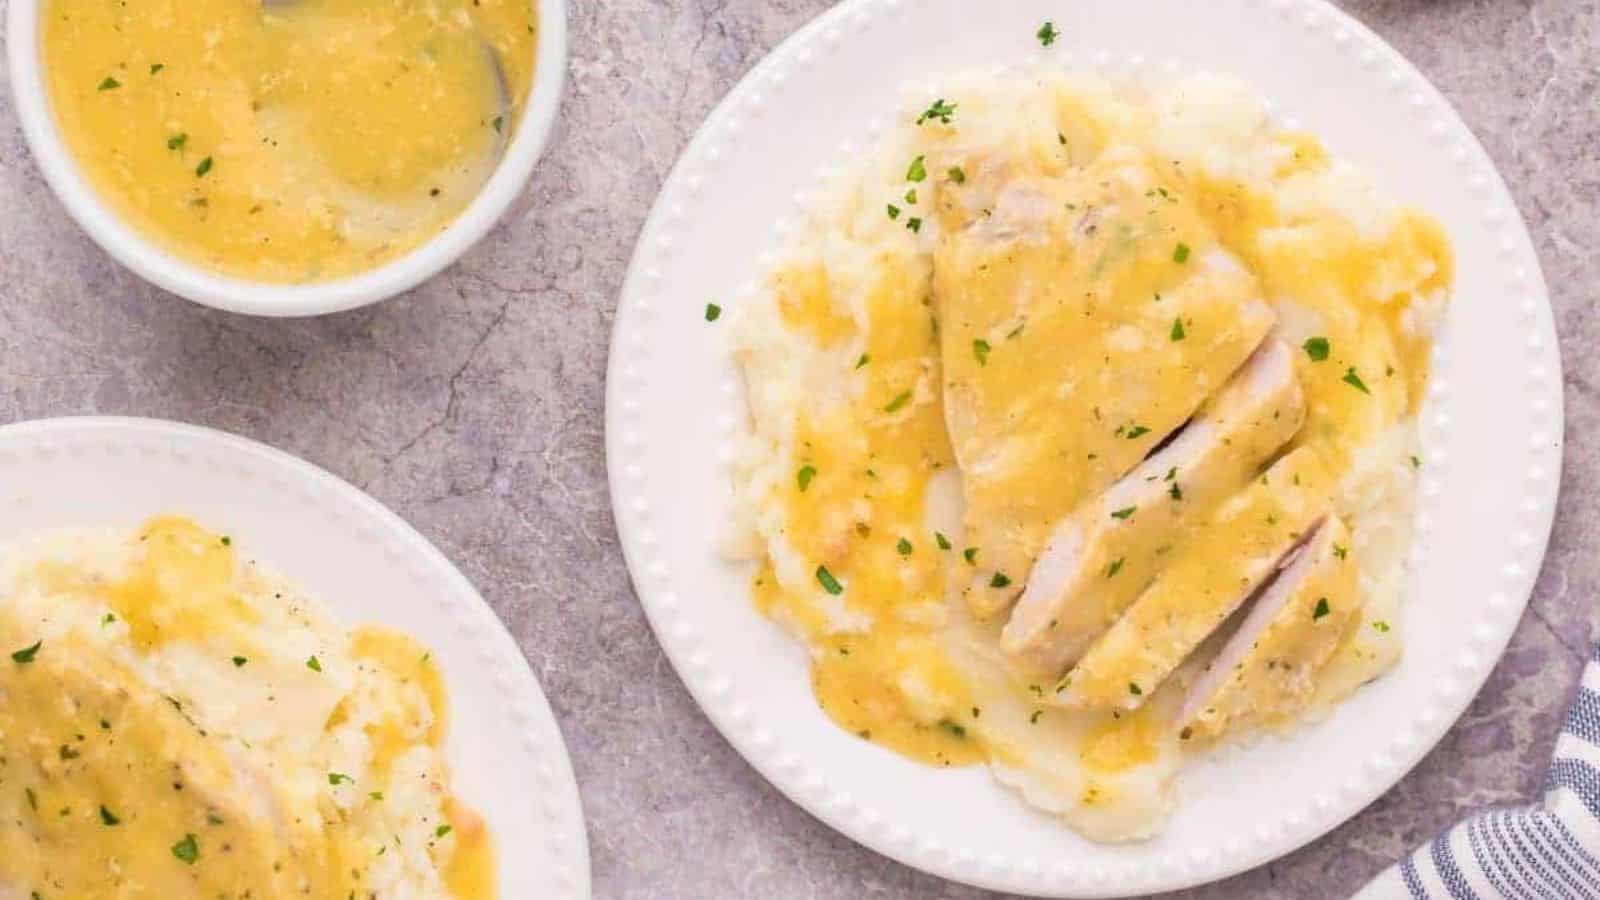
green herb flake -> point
(956, 175)
(442, 830)
(713, 312)
(918, 170)
(1134, 689)
(26, 654)
(1180, 253)
(314, 664)
(177, 141)
(239, 661)
(1124, 512)
(1136, 431)
(1061, 139)
(499, 123)
(1174, 491)
(1047, 34)
(1115, 567)
(903, 547)
(941, 540)
(1341, 551)
(894, 212)
(1034, 719)
(956, 729)
(1316, 348)
(1380, 626)
(203, 168)
(1416, 461)
(1000, 580)
(803, 477)
(980, 351)
(828, 582)
(157, 67)
(338, 778)
(971, 555)
(1177, 329)
(109, 84)
(107, 619)
(899, 402)
(376, 795)
(227, 541)
(107, 817)
(1321, 610)
(914, 225)
(938, 111)
(1354, 380)
(187, 850)
(865, 358)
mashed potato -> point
(177, 721)
(1068, 391)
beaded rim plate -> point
(505, 751)
(1491, 427)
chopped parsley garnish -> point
(971, 554)
(203, 168)
(1321, 610)
(337, 778)
(1180, 253)
(177, 141)
(1034, 719)
(1381, 626)
(941, 540)
(918, 170)
(899, 402)
(955, 728)
(1341, 551)
(107, 619)
(914, 225)
(911, 195)
(1174, 491)
(499, 123)
(227, 541)
(1354, 380)
(1061, 139)
(109, 84)
(187, 849)
(1137, 431)
(1115, 567)
(239, 661)
(108, 817)
(980, 350)
(26, 654)
(442, 830)
(955, 174)
(1416, 462)
(804, 476)
(1316, 348)
(1124, 512)
(865, 358)
(156, 67)
(376, 795)
(713, 312)
(1134, 689)
(828, 582)
(1000, 580)
(1047, 34)
(938, 111)
(1177, 329)
(314, 664)
(894, 211)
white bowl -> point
(156, 265)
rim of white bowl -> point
(147, 259)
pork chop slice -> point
(1266, 669)
(1230, 557)
(1098, 560)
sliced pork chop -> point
(1266, 669)
(1228, 559)
(1098, 560)
(1083, 316)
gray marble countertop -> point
(473, 407)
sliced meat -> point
(1098, 560)
(1228, 559)
(1265, 671)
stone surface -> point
(473, 406)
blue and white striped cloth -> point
(1550, 851)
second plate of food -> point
(1034, 438)
(229, 672)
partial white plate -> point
(1492, 427)
(506, 754)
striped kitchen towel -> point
(1550, 851)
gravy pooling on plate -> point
(1061, 381)
(288, 140)
(177, 723)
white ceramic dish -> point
(1491, 426)
(147, 259)
(506, 753)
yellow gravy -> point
(288, 140)
(109, 789)
(855, 507)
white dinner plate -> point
(1491, 427)
(506, 755)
